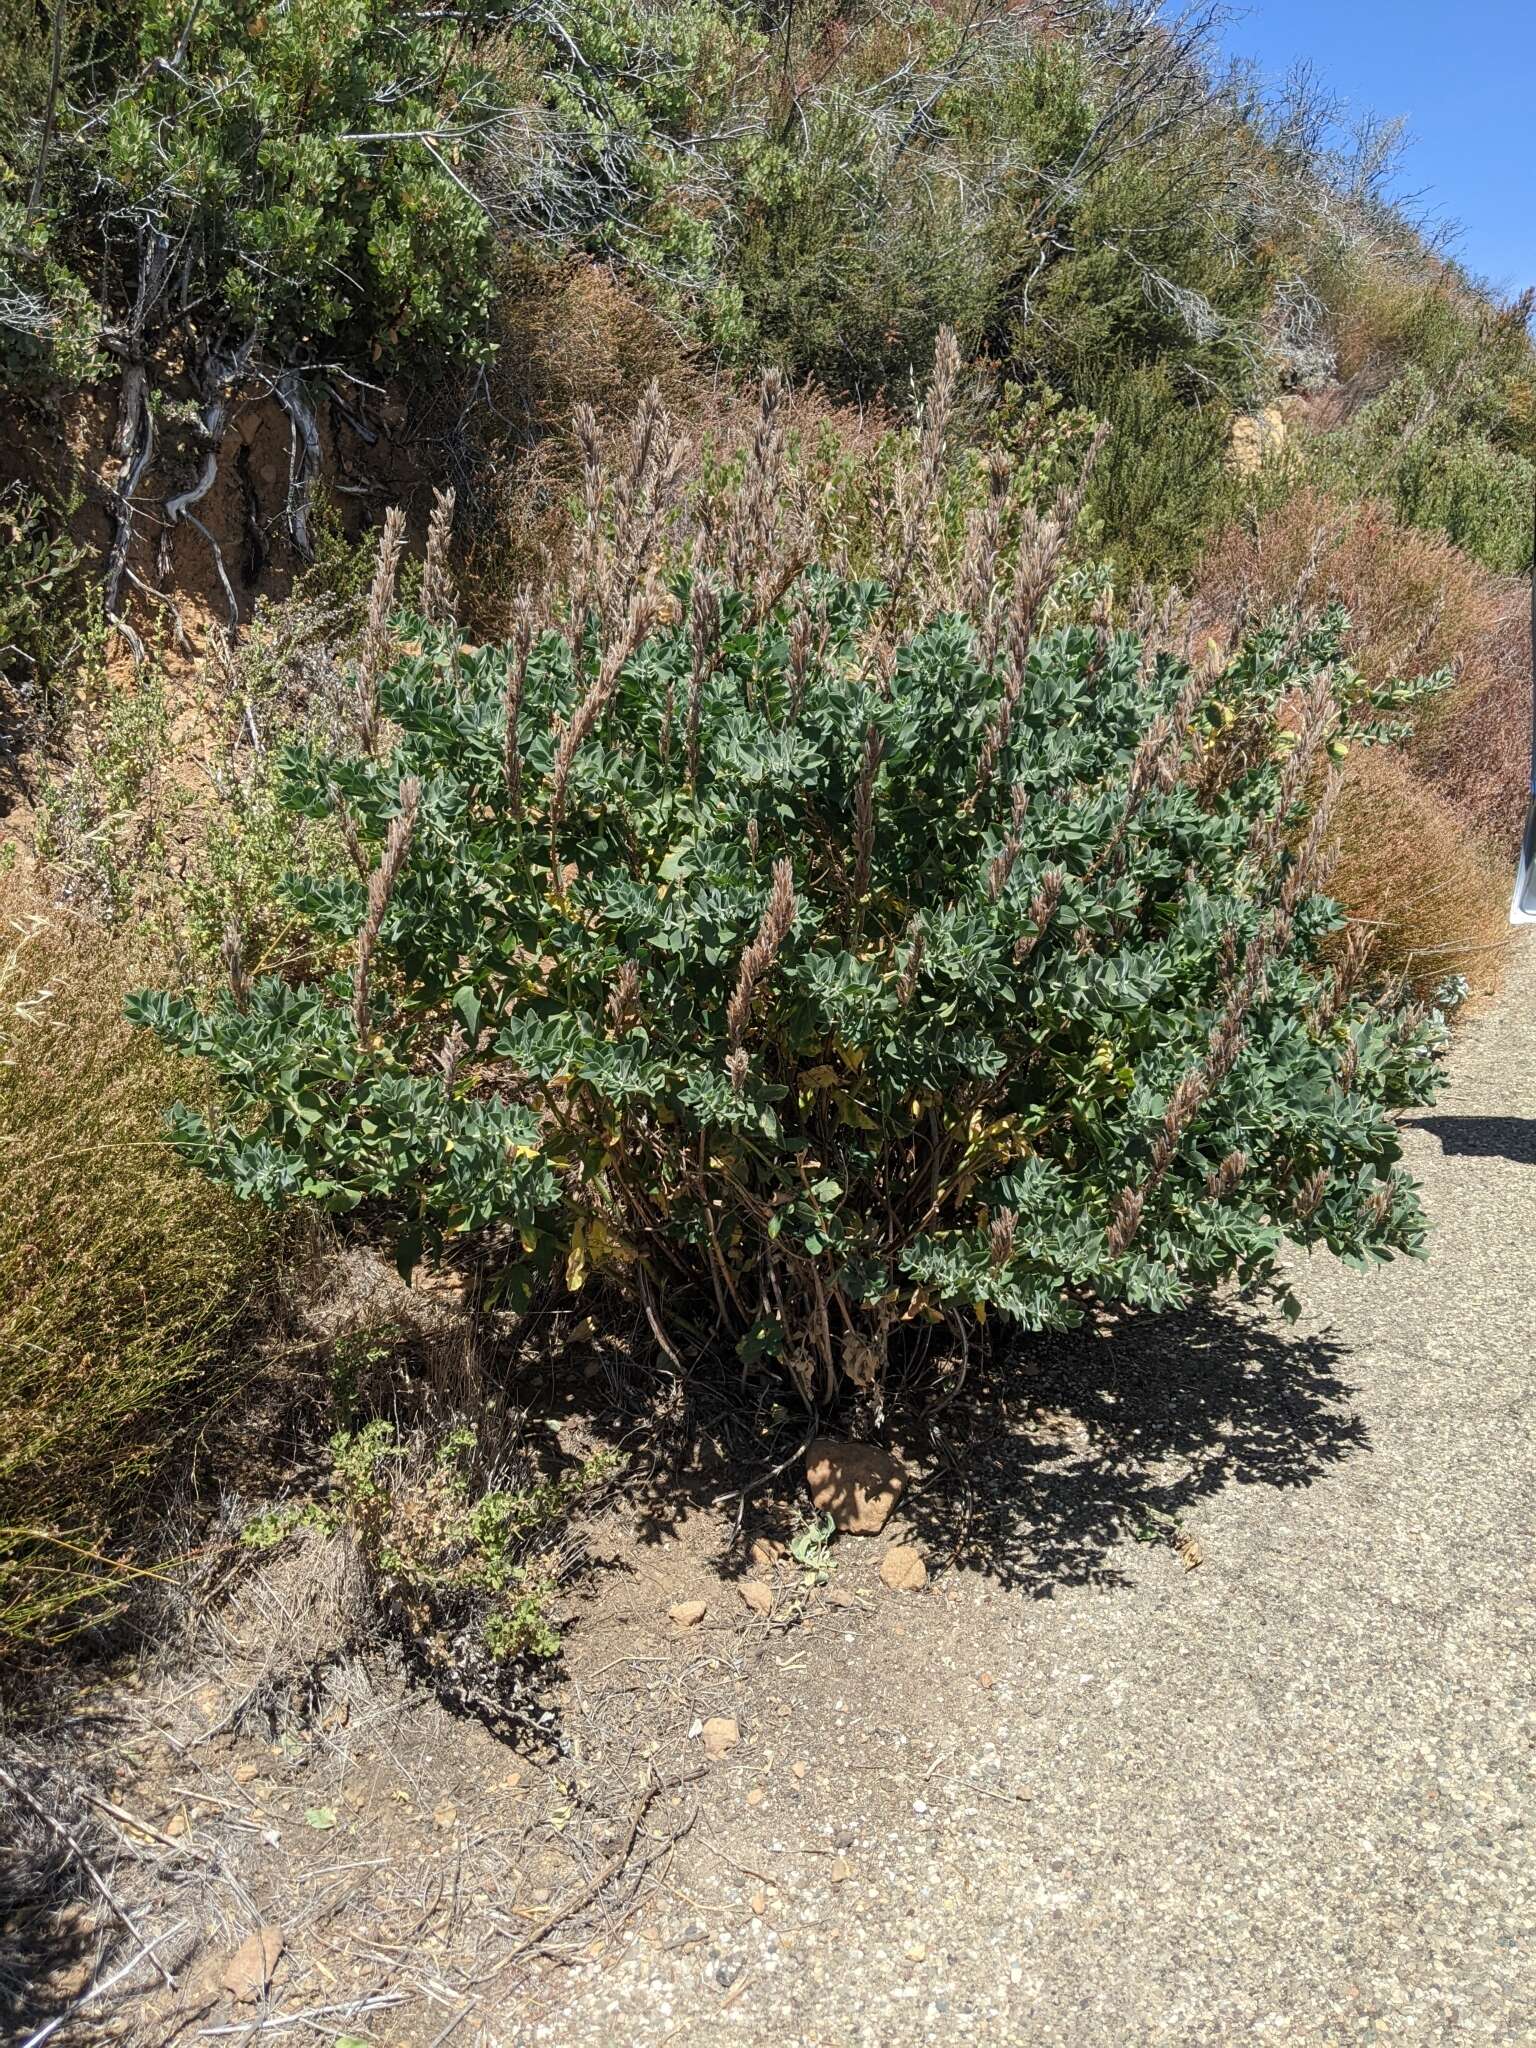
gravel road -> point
(1264, 1774)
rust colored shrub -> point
(1432, 898)
(1416, 603)
(1475, 749)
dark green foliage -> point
(1163, 478)
(235, 170)
(41, 623)
(833, 972)
(1442, 462)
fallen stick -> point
(607, 1874)
(45, 2033)
(352, 2009)
(119, 1913)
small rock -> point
(244, 1773)
(756, 1796)
(251, 1966)
(688, 1613)
(720, 1734)
(759, 1903)
(985, 1680)
(903, 1570)
(765, 1553)
(857, 1484)
(757, 1597)
(798, 1769)
(916, 1951)
(840, 1872)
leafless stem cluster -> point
(519, 648)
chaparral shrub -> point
(836, 953)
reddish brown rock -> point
(903, 1570)
(858, 1485)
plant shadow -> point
(1075, 1444)
(1057, 1452)
(1482, 1137)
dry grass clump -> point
(567, 335)
(1432, 898)
(1475, 748)
(122, 1273)
(1416, 601)
(1456, 794)
(573, 343)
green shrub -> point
(277, 151)
(1435, 461)
(463, 1563)
(123, 1277)
(1163, 480)
(830, 955)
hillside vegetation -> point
(1032, 317)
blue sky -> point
(1465, 77)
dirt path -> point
(1089, 1795)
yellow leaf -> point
(850, 1112)
(576, 1262)
(819, 1077)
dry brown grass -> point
(1425, 835)
(1475, 749)
(570, 335)
(1417, 602)
(1433, 898)
(123, 1274)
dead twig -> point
(119, 1912)
(353, 2010)
(609, 1871)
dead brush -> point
(1425, 898)
(124, 1279)
(1416, 603)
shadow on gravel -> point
(1482, 1137)
(1057, 1453)
(1090, 1440)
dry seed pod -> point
(759, 957)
